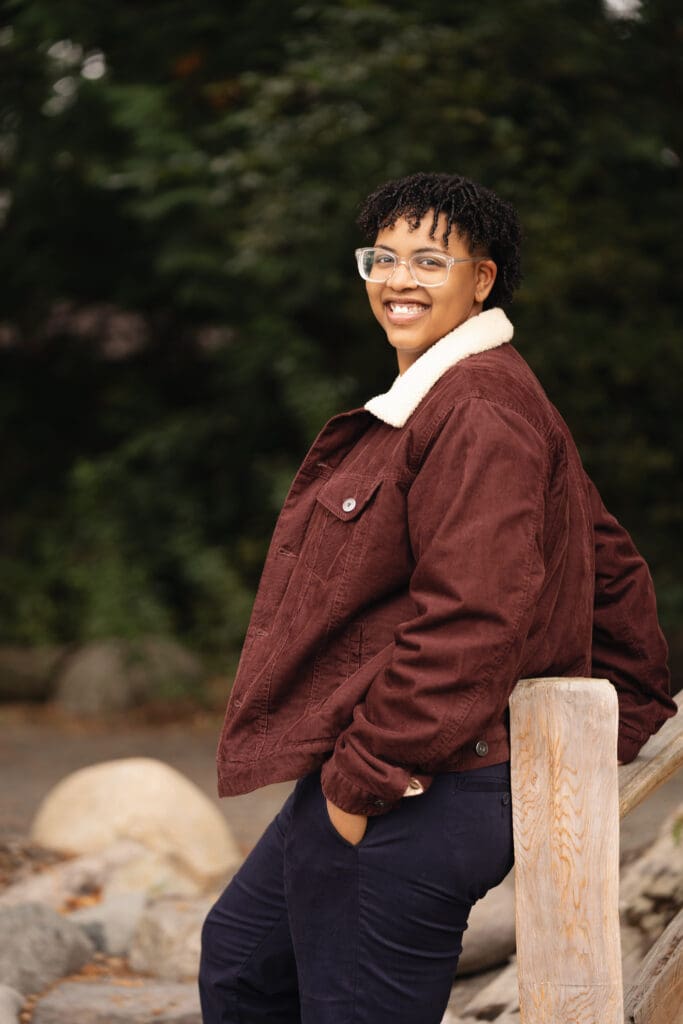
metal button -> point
(348, 504)
(481, 748)
(380, 803)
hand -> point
(350, 827)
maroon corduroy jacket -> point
(435, 547)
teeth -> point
(405, 308)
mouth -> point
(405, 312)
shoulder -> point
(497, 386)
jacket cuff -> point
(629, 743)
(355, 799)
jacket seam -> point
(549, 436)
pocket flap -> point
(347, 496)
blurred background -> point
(180, 308)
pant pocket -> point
(333, 831)
(313, 807)
(494, 778)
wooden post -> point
(566, 831)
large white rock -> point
(145, 800)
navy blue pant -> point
(314, 930)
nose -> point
(401, 280)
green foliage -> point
(208, 180)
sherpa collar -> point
(482, 332)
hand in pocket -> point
(350, 827)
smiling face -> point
(412, 316)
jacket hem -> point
(236, 778)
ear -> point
(485, 276)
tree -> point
(203, 170)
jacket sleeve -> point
(475, 513)
(628, 646)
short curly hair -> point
(480, 217)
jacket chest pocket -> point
(341, 521)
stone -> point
(466, 988)
(168, 938)
(28, 673)
(113, 675)
(119, 1001)
(11, 1003)
(651, 887)
(489, 939)
(124, 867)
(632, 950)
(38, 946)
(498, 1001)
(155, 875)
(111, 924)
(72, 880)
(145, 800)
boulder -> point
(498, 1001)
(125, 867)
(38, 946)
(113, 675)
(11, 1003)
(144, 800)
(119, 1001)
(155, 875)
(466, 987)
(489, 939)
(28, 673)
(69, 882)
(651, 888)
(111, 923)
(167, 942)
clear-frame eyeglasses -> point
(429, 269)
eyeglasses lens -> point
(378, 265)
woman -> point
(435, 546)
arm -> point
(628, 646)
(475, 513)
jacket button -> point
(379, 803)
(481, 748)
(348, 504)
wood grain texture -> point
(658, 760)
(656, 996)
(566, 832)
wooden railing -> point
(567, 797)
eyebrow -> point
(427, 248)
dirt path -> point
(39, 747)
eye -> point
(383, 259)
(431, 262)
